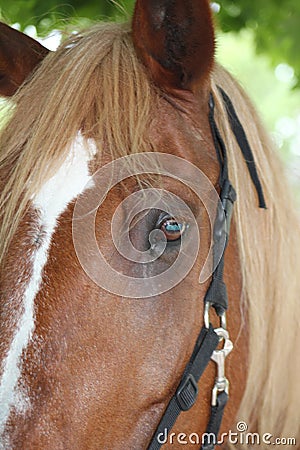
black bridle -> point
(216, 297)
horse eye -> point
(172, 229)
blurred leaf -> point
(276, 27)
(46, 15)
(276, 24)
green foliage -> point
(48, 14)
(271, 90)
(269, 27)
(273, 97)
(276, 24)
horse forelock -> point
(80, 87)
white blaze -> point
(52, 200)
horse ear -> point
(19, 56)
(175, 41)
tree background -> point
(258, 40)
(275, 22)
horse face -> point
(100, 368)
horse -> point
(92, 358)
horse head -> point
(113, 171)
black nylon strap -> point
(216, 294)
(210, 438)
(207, 342)
(218, 142)
(242, 140)
(187, 391)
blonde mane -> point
(79, 87)
(269, 242)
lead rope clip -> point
(219, 357)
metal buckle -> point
(187, 393)
(223, 321)
(219, 357)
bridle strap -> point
(242, 140)
(218, 142)
(213, 427)
(216, 296)
(187, 391)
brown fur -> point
(19, 57)
(100, 369)
(177, 44)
